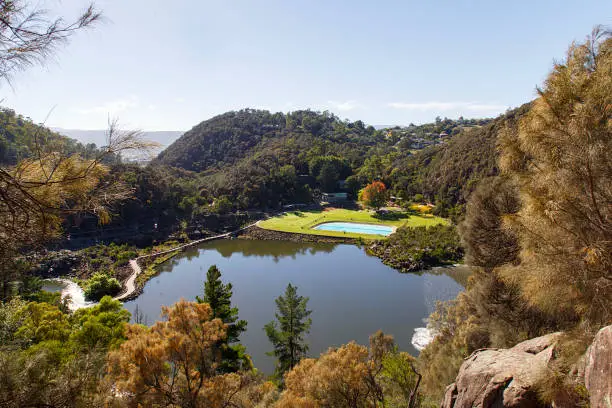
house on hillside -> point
(334, 197)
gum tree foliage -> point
(100, 284)
(354, 376)
(51, 358)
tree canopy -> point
(538, 236)
(287, 333)
(218, 296)
(374, 195)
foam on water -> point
(72, 289)
(423, 336)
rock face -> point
(57, 263)
(502, 377)
(598, 370)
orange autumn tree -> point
(374, 195)
(174, 363)
(354, 376)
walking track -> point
(130, 283)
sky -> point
(168, 65)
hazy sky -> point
(167, 65)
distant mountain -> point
(164, 137)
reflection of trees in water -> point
(435, 290)
(459, 273)
(257, 248)
(275, 249)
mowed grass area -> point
(302, 222)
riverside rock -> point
(502, 377)
(598, 369)
(508, 377)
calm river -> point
(352, 295)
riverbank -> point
(408, 250)
(134, 284)
(146, 266)
(415, 249)
(257, 232)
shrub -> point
(100, 284)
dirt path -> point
(130, 283)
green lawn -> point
(302, 222)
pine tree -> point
(560, 162)
(219, 296)
(288, 337)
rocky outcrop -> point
(598, 369)
(56, 263)
(502, 377)
(509, 377)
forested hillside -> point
(20, 137)
(446, 174)
(253, 159)
(256, 157)
(228, 138)
(260, 159)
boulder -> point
(598, 369)
(502, 377)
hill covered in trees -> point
(254, 159)
(20, 138)
(446, 174)
(234, 136)
(260, 159)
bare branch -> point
(28, 36)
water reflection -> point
(275, 250)
(352, 295)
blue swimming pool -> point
(355, 227)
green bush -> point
(99, 285)
(415, 248)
